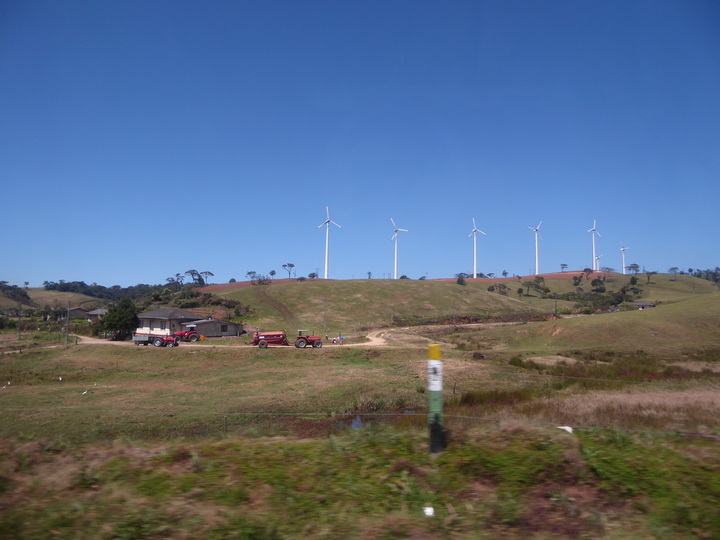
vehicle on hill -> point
(263, 339)
(303, 341)
(156, 340)
(187, 335)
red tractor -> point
(187, 335)
(307, 341)
(263, 339)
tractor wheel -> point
(158, 342)
(262, 344)
(170, 344)
(301, 343)
(317, 344)
(193, 338)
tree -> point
(404, 277)
(634, 268)
(504, 273)
(272, 273)
(649, 274)
(563, 267)
(194, 275)
(312, 275)
(122, 318)
(520, 292)
(461, 280)
(674, 271)
(232, 280)
(206, 274)
(369, 275)
(288, 268)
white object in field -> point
(435, 383)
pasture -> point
(222, 440)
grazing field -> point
(223, 440)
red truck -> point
(263, 339)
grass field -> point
(239, 442)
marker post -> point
(435, 400)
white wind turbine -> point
(597, 262)
(396, 230)
(594, 231)
(327, 223)
(474, 235)
(537, 233)
(623, 249)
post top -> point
(434, 352)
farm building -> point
(215, 328)
(164, 321)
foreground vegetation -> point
(512, 481)
(217, 441)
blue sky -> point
(141, 139)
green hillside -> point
(371, 303)
(358, 304)
(668, 328)
(43, 298)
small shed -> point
(215, 328)
(96, 314)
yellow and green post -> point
(435, 399)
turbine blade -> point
(539, 224)
(337, 225)
(482, 232)
(393, 222)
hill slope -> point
(367, 303)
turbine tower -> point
(594, 231)
(327, 223)
(474, 235)
(623, 249)
(597, 262)
(396, 230)
(537, 233)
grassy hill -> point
(347, 305)
(370, 303)
(688, 324)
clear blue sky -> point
(140, 139)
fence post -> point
(435, 399)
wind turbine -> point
(396, 230)
(537, 232)
(594, 231)
(597, 262)
(327, 223)
(474, 235)
(623, 249)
